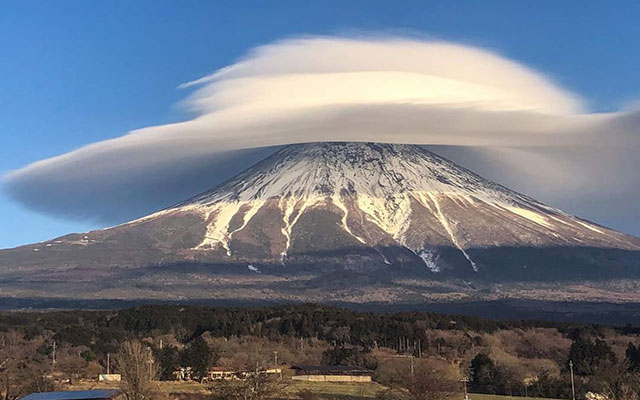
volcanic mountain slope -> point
(375, 211)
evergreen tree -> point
(589, 358)
(483, 371)
(199, 356)
(633, 358)
(306, 327)
(169, 359)
(352, 356)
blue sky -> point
(73, 73)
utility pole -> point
(150, 361)
(275, 358)
(255, 388)
(53, 358)
(108, 363)
(464, 383)
(573, 387)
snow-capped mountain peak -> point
(382, 195)
(360, 222)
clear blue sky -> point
(75, 72)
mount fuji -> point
(354, 222)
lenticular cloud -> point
(302, 73)
(336, 89)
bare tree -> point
(139, 371)
(20, 372)
(256, 386)
(426, 380)
(72, 366)
(618, 384)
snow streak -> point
(381, 183)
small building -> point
(273, 371)
(101, 394)
(109, 378)
(217, 373)
(331, 373)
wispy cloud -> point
(346, 89)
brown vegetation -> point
(139, 371)
(150, 344)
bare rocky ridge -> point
(321, 219)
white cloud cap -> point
(328, 89)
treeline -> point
(100, 328)
(594, 365)
(502, 357)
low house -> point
(273, 371)
(331, 373)
(102, 394)
(217, 373)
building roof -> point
(332, 369)
(74, 395)
(221, 369)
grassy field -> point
(333, 390)
(324, 390)
(474, 396)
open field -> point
(474, 396)
(332, 390)
(324, 390)
(339, 390)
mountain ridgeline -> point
(326, 221)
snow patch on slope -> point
(391, 214)
(253, 269)
(445, 224)
(530, 215)
(217, 231)
(591, 227)
(293, 207)
(345, 214)
(429, 260)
